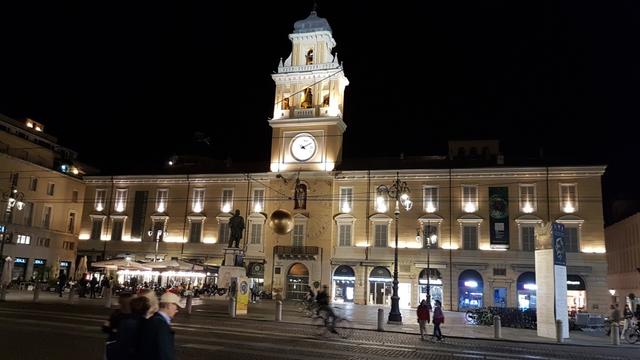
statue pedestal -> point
(229, 271)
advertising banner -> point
(499, 217)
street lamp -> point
(158, 235)
(430, 240)
(398, 191)
(14, 199)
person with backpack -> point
(438, 318)
(424, 316)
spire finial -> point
(315, 6)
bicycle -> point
(322, 325)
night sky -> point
(105, 78)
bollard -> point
(107, 298)
(278, 310)
(380, 319)
(232, 307)
(497, 327)
(189, 304)
(36, 293)
(70, 293)
(559, 337)
(615, 333)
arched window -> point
(309, 57)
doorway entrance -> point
(297, 282)
(380, 282)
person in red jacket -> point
(424, 316)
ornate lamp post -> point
(159, 234)
(430, 241)
(399, 192)
(14, 199)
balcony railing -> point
(296, 251)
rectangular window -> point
(227, 200)
(571, 241)
(427, 231)
(23, 239)
(46, 216)
(345, 234)
(44, 242)
(256, 233)
(195, 232)
(499, 272)
(27, 212)
(223, 233)
(258, 200)
(33, 183)
(71, 223)
(430, 196)
(68, 245)
(51, 189)
(298, 235)
(197, 204)
(470, 198)
(381, 234)
(116, 231)
(121, 200)
(74, 196)
(527, 198)
(162, 198)
(346, 199)
(569, 198)
(527, 234)
(96, 229)
(101, 196)
(470, 237)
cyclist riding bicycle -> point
(323, 306)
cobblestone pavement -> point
(62, 330)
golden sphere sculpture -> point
(281, 222)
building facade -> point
(623, 256)
(43, 234)
(343, 231)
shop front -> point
(380, 286)
(344, 281)
(19, 271)
(576, 293)
(433, 286)
(297, 282)
(65, 266)
(526, 285)
(470, 288)
(39, 266)
(255, 274)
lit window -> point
(197, 205)
(162, 197)
(346, 199)
(23, 239)
(297, 236)
(528, 198)
(227, 200)
(430, 196)
(121, 200)
(470, 198)
(258, 200)
(569, 198)
(100, 199)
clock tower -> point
(307, 114)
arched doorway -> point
(434, 284)
(470, 288)
(380, 282)
(344, 280)
(297, 282)
(526, 284)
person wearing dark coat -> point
(157, 339)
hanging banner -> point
(559, 250)
(499, 217)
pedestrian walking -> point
(438, 319)
(157, 339)
(111, 326)
(92, 287)
(424, 316)
(62, 281)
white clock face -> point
(303, 147)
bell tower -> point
(307, 114)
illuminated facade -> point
(342, 234)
